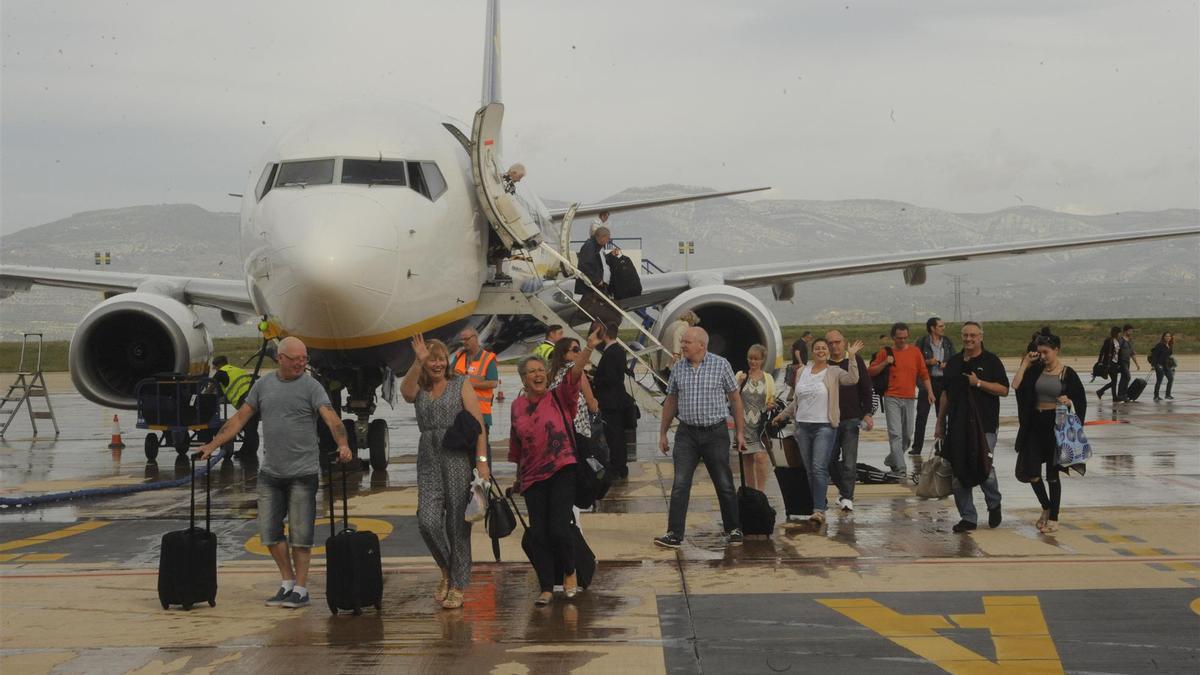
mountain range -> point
(1159, 278)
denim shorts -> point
(295, 498)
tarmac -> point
(886, 588)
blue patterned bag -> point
(1073, 446)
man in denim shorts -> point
(289, 402)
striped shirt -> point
(702, 390)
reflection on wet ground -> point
(649, 609)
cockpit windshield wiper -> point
(303, 185)
(386, 181)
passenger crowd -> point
(568, 433)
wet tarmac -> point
(887, 587)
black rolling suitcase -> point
(353, 567)
(1135, 389)
(187, 564)
(754, 510)
(792, 479)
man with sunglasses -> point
(289, 402)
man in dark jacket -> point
(936, 349)
(609, 387)
(977, 374)
(857, 407)
(591, 261)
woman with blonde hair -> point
(443, 475)
(758, 395)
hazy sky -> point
(1082, 105)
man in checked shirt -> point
(702, 390)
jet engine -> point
(734, 319)
(132, 336)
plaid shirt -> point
(702, 391)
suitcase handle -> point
(207, 495)
(332, 500)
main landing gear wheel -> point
(377, 443)
(151, 447)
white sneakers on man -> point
(846, 504)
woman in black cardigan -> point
(1042, 383)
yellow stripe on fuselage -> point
(366, 341)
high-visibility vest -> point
(238, 385)
(478, 368)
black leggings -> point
(1044, 449)
(549, 504)
(1114, 377)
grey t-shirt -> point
(290, 414)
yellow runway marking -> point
(42, 557)
(1017, 626)
(78, 528)
(381, 528)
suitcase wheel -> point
(357, 612)
(332, 607)
(166, 605)
(187, 607)
(212, 602)
(379, 607)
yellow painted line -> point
(78, 528)
(381, 528)
(1182, 566)
(1144, 551)
(42, 557)
(364, 341)
(1017, 626)
(9, 557)
(1116, 539)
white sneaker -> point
(797, 519)
(846, 504)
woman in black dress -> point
(1043, 382)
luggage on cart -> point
(187, 564)
(353, 566)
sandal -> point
(543, 599)
(443, 586)
(1050, 527)
(570, 590)
(1041, 522)
(454, 599)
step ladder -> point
(29, 385)
(642, 367)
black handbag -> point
(499, 519)
(591, 475)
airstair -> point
(29, 386)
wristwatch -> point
(979, 384)
(481, 458)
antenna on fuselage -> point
(491, 56)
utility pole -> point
(686, 248)
(957, 279)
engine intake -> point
(133, 336)
(734, 320)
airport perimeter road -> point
(888, 588)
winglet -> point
(491, 56)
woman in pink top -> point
(542, 446)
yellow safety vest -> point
(238, 386)
(478, 368)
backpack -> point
(880, 381)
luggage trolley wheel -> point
(151, 447)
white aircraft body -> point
(369, 225)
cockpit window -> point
(305, 172)
(416, 178)
(433, 179)
(266, 181)
(373, 172)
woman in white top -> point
(816, 411)
(758, 395)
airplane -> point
(365, 226)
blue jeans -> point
(847, 442)
(815, 441)
(965, 501)
(711, 446)
(295, 498)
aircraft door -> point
(507, 215)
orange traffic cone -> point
(117, 443)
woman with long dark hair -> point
(1162, 359)
(1043, 383)
(1108, 357)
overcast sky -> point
(1088, 106)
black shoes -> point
(964, 526)
(994, 517)
(669, 540)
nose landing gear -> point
(360, 386)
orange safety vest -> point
(478, 368)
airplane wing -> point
(617, 207)
(224, 294)
(657, 288)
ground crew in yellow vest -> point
(234, 384)
(479, 365)
(554, 333)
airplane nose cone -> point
(336, 251)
